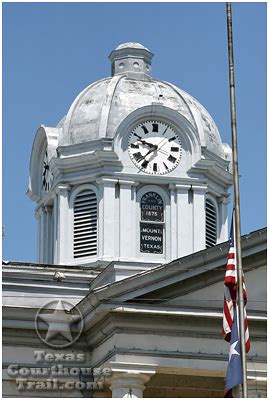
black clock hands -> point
(139, 157)
(154, 146)
(150, 151)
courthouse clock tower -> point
(135, 173)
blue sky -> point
(51, 51)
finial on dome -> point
(131, 59)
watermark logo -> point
(50, 376)
(59, 323)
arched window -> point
(152, 223)
(85, 224)
(211, 223)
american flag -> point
(230, 293)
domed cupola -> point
(101, 107)
(135, 173)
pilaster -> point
(54, 233)
(198, 217)
(48, 235)
(174, 222)
(39, 217)
(223, 234)
(127, 219)
(62, 223)
(107, 218)
(184, 220)
(44, 235)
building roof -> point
(180, 278)
(200, 269)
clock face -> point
(154, 147)
(47, 177)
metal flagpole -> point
(236, 199)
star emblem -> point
(233, 351)
(59, 323)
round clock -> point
(47, 177)
(154, 147)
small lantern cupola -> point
(131, 59)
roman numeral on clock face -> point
(155, 127)
(139, 137)
(138, 156)
(145, 164)
(134, 146)
(172, 159)
(155, 167)
(175, 149)
(165, 166)
(144, 129)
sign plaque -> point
(152, 207)
(151, 238)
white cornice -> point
(213, 170)
(182, 312)
(78, 149)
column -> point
(63, 223)
(184, 220)
(107, 218)
(128, 384)
(199, 217)
(48, 235)
(223, 233)
(127, 220)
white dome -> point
(101, 107)
(133, 45)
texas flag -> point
(234, 374)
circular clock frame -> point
(154, 147)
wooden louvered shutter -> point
(211, 224)
(85, 224)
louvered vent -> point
(211, 224)
(85, 224)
